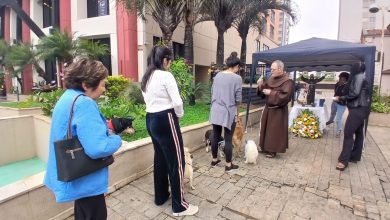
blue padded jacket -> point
(91, 128)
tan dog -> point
(188, 170)
(237, 137)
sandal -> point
(340, 166)
(270, 155)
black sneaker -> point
(329, 122)
(231, 168)
(213, 163)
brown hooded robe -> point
(274, 120)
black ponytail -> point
(155, 61)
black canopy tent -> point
(316, 54)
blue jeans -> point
(337, 111)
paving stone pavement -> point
(300, 184)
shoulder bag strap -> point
(68, 131)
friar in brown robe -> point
(277, 90)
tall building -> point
(130, 39)
(358, 25)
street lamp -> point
(374, 8)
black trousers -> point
(217, 132)
(163, 127)
(354, 133)
(90, 208)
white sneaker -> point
(191, 210)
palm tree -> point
(250, 18)
(58, 45)
(223, 13)
(92, 49)
(192, 15)
(167, 13)
(24, 54)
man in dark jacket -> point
(338, 107)
(358, 102)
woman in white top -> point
(164, 106)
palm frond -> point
(92, 49)
(59, 45)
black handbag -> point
(72, 162)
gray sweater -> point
(226, 95)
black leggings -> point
(217, 131)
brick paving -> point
(300, 184)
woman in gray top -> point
(226, 97)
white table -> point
(320, 112)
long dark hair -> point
(155, 62)
(358, 67)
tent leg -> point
(293, 97)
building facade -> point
(358, 25)
(129, 38)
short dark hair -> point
(344, 75)
(87, 71)
(233, 60)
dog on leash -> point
(188, 170)
(237, 137)
(251, 152)
(208, 136)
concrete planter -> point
(9, 112)
(379, 119)
(29, 199)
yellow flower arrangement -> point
(306, 125)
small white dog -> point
(188, 170)
(251, 152)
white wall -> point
(18, 139)
(97, 27)
(350, 20)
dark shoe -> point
(231, 168)
(329, 122)
(270, 155)
(213, 163)
(341, 166)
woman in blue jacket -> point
(82, 77)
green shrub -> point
(135, 94)
(380, 107)
(49, 100)
(254, 79)
(379, 103)
(116, 86)
(115, 107)
(183, 76)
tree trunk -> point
(189, 44)
(41, 72)
(243, 56)
(220, 48)
(167, 39)
(59, 77)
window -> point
(263, 25)
(265, 47)
(272, 16)
(47, 10)
(156, 40)
(178, 49)
(258, 46)
(272, 32)
(96, 8)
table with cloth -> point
(320, 112)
